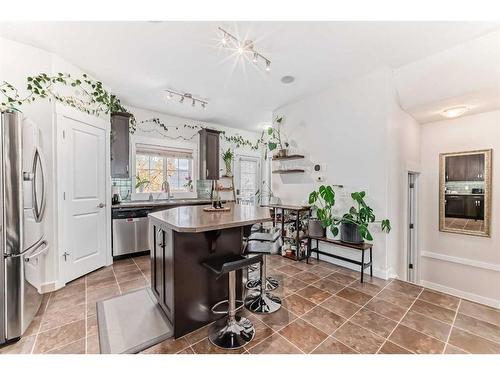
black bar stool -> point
(262, 301)
(266, 242)
(233, 331)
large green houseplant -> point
(322, 202)
(354, 224)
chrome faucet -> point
(165, 186)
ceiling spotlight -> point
(243, 47)
(455, 111)
(287, 79)
(186, 96)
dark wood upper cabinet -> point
(465, 168)
(209, 154)
(120, 145)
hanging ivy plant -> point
(94, 99)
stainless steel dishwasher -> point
(130, 231)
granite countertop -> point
(193, 219)
(464, 193)
(161, 202)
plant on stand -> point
(322, 202)
(354, 225)
(275, 139)
(227, 157)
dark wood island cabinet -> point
(181, 239)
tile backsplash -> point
(464, 187)
(125, 185)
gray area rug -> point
(131, 323)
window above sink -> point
(157, 161)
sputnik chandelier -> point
(186, 97)
(246, 47)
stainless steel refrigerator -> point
(23, 246)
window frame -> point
(163, 143)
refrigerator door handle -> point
(35, 254)
(38, 160)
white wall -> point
(453, 270)
(358, 131)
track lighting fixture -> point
(184, 96)
(243, 47)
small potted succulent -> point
(227, 157)
(354, 224)
(322, 202)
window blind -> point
(179, 153)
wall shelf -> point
(288, 171)
(288, 157)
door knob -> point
(101, 205)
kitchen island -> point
(181, 239)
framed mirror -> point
(465, 192)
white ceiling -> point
(138, 60)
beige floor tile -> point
(433, 311)
(77, 347)
(396, 298)
(386, 309)
(327, 285)
(440, 299)
(59, 337)
(391, 348)
(307, 277)
(405, 288)
(314, 294)
(354, 296)
(279, 319)
(472, 343)
(481, 312)
(23, 346)
(57, 318)
(478, 327)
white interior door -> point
(84, 230)
(248, 173)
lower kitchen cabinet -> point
(465, 206)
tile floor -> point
(467, 224)
(325, 310)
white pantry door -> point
(84, 196)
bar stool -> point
(266, 243)
(233, 331)
(263, 301)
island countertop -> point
(193, 219)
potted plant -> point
(354, 224)
(141, 184)
(275, 141)
(322, 202)
(227, 157)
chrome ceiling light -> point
(183, 96)
(245, 48)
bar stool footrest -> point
(239, 306)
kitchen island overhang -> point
(181, 239)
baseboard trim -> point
(48, 287)
(462, 294)
(377, 272)
(459, 260)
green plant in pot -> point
(275, 141)
(141, 183)
(322, 202)
(354, 225)
(227, 157)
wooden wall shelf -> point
(288, 171)
(288, 157)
